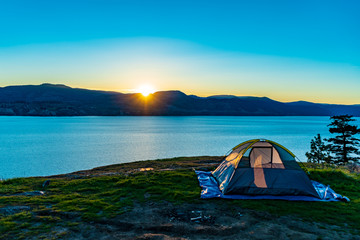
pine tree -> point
(344, 146)
(318, 151)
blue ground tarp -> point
(210, 189)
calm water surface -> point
(38, 146)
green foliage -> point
(344, 146)
(318, 151)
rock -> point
(9, 210)
(30, 194)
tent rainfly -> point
(262, 167)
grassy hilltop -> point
(157, 199)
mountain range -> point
(60, 100)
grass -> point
(92, 196)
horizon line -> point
(176, 90)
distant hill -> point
(61, 100)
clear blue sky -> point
(249, 46)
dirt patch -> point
(166, 221)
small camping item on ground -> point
(198, 216)
(46, 183)
(260, 169)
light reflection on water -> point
(38, 146)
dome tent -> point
(262, 167)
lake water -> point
(40, 146)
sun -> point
(145, 90)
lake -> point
(40, 146)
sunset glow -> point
(254, 51)
(145, 90)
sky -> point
(285, 50)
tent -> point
(262, 167)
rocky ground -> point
(201, 222)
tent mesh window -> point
(261, 157)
